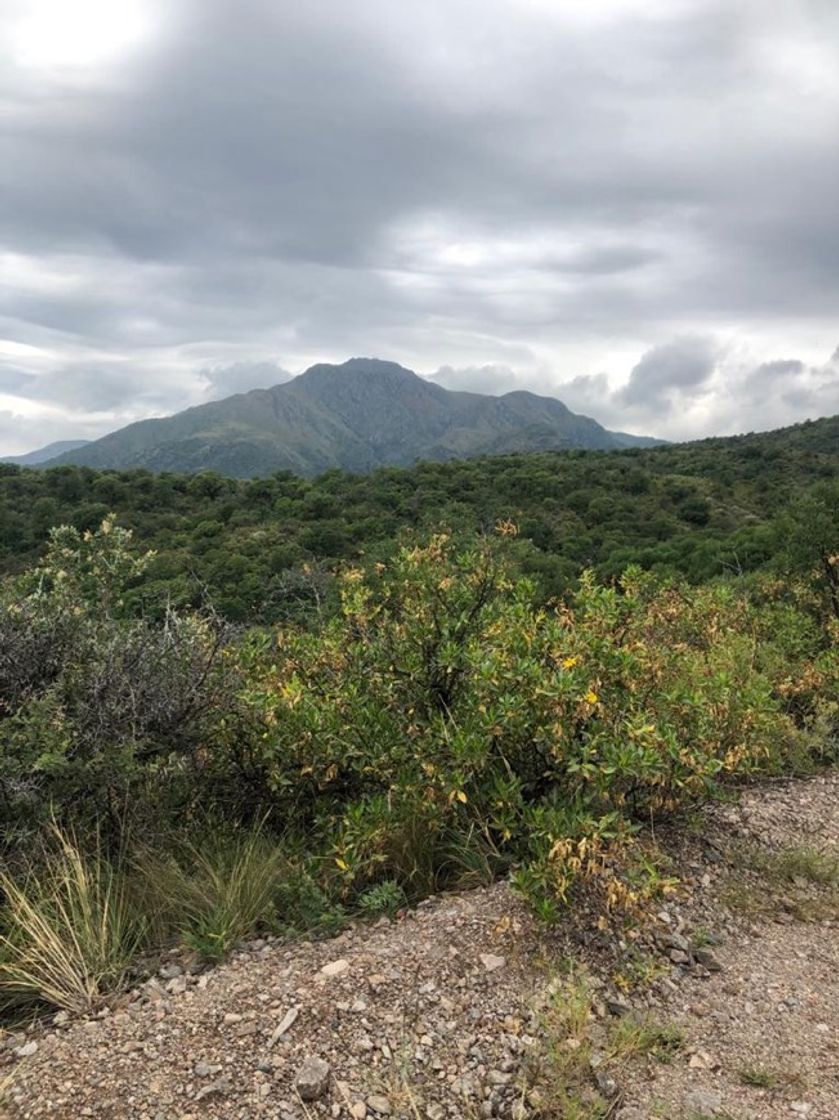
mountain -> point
(357, 416)
(44, 454)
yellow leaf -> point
(342, 864)
(461, 796)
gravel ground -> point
(431, 1016)
(772, 1011)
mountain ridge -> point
(359, 415)
(44, 454)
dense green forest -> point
(260, 549)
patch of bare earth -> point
(441, 1014)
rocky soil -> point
(436, 1016)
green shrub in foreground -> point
(443, 704)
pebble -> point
(312, 1080)
(704, 1101)
(606, 1084)
(491, 962)
(286, 1023)
(335, 968)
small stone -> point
(335, 968)
(491, 962)
(286, 1023)
(677, 941)
(312, 1079)
(606, 1084)
(707, 959)
(801, 1108)
(379, 1104)
(701, 1060)
(170, 971)
(617, 1005)
(358, 1110)
(206, 1069)
(678, 956)
(704, 1101)
(28, 1049)
(61, 1018)
(214, 1089)
(249, 1027)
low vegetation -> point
(801, 881)
(439, 725)
(575, 1066)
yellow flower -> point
(591, 697)
(569, 662)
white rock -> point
(492, 962)
(335, 968)
(707, 1101)
(284, 1025)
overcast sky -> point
(631, 204)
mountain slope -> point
(357, 416)
(44, 454)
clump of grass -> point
(759, 1077)
(574, 1042)
(216, 890)
(71, 927)
(638, 970)
(802, 862)
(633, 1038)
(802, 880)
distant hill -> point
(356, 416)
(44, 454)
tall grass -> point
(70, 927)
(215, 891)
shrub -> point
(70, 928)
(385, 898)
(95, 705)
(443, 704)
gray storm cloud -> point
(681, 367)
(615, 203)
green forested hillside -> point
(255, 547)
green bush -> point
(443, 704)
(101, 712)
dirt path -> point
(441, 1014)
